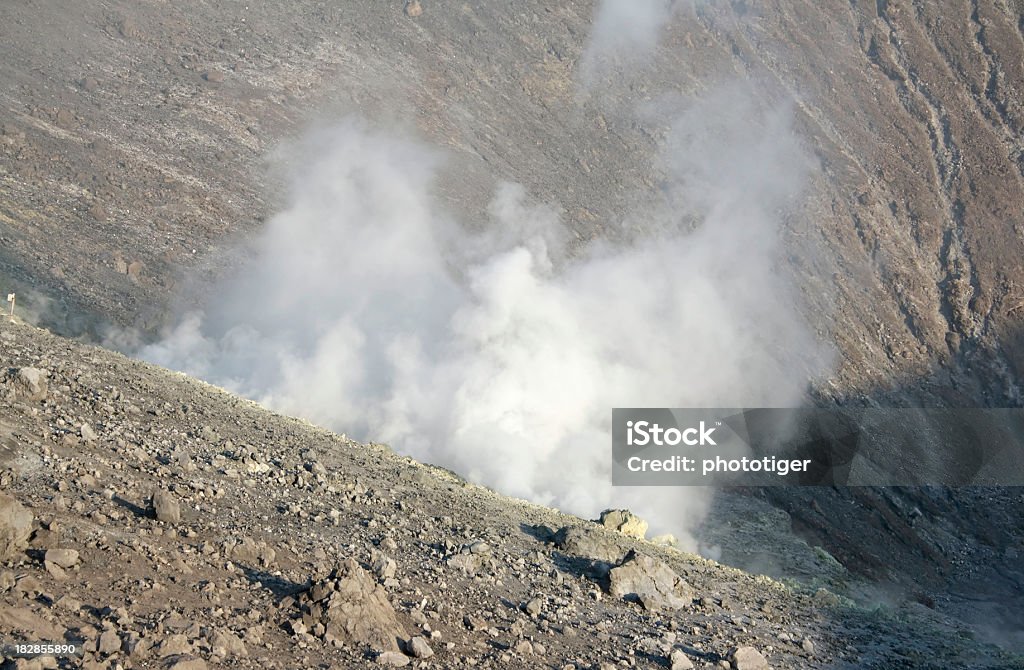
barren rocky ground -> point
(134, 144)
(156, 521)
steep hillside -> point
(134, 128)
(174, 525)
(140, 149)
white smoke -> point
(624, 36)
(500, 355)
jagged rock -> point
(650, 582)
(87, 433)
(477, 547)
(68, 603)
(166, 507)
(419, 648)
(175, 645)
(251, 552)
(137, 646)
(64, 558)
(30, 384)
(353, 608)
(748, 658)
(624, 522)
(467, 563)
(15, 527)
(589, 543)
(679, 660)
(382, 565)
(226, 643)
(109, 642)
(55, 571)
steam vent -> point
(580, 335)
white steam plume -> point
(500, 355)
(624, 35)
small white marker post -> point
(10, 299)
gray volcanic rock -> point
(650, 582)
(679, 660)
(15, 527)
(251, 552)
(419, 648)
(29, 383)
(64, 558)
(353, 608)
(624, 522)
(748, 658)
(166, 507)
(589, 543)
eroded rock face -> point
(15, 527)
(352, 608)
(650, 582)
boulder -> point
(353, 609)
(166, 507)
(419, 648)
(251, 552)
(748, 658)
(65, 558)
(650, 582)
(15, 527)
(29, 384)
(624, 522)
(470, 564)
(678, 660)
(589, 543)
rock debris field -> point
(153, 521)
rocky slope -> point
(134, 128)
(132, 136)
(155, 521)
